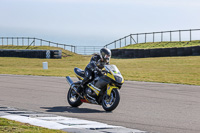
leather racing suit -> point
(95, 64)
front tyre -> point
(73, 98)
(109, 103)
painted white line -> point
(36, 122)
(58, 122)
(61, 123)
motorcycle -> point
(103, 90)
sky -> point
(94, 22)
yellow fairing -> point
(79, 76)
(110, 88)
(95, 90)
(111, 76)
(122, 80)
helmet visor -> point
(107, 58)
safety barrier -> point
(31, 53)
(160, 52)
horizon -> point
(94, 22)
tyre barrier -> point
(49, 54)
(160, 52)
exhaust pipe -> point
(71, 83)
(69, 80)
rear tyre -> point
(109, 103)
(73, 98)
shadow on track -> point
(71, 109)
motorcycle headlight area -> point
(118, 79)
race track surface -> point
(153, 107)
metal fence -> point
(29, 41)
(162, 36)
(88, 50)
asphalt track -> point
(153, 107)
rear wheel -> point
(109, 103)
(73, 98)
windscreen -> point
(113, 69)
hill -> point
(181, 70)
(151, 45)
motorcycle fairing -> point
(110, 88)
(113, 73)
(79, 73)
(95, 89)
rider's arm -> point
(93, 63)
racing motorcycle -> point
(103, 90)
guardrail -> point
(29, 41)
(127, 40)
(158, 52)
(88, 50)
(49, 54)
(156, 37)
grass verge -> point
(180, 70)
(9, 126)
(151, 45)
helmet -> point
(105, 54)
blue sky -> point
(94, 22)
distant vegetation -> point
(151, 45)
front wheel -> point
(73, 98)
(109, 103)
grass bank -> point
(9, 126)
(181, 70)
(151, 45)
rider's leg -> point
(86, 80)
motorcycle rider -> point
(96, 64)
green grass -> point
(9, 126)
(152, 45)
(33, 66)
(181, 70)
